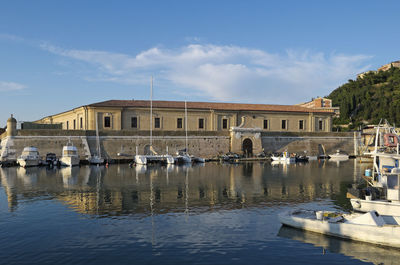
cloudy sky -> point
(57, 55)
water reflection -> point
(362, 251)
(150, 190)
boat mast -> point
(151, 111)
(186, 137)
(97, 135)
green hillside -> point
(368, 99)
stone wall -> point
(310, 142)
(52, 141)
(204, 144)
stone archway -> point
(247, 147)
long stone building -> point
(213, 129)
(202, 116)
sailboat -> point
(97, 159)
(151, 155)
(183, 155)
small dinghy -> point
(369, 227)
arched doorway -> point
(247, 147)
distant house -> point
(321, 104)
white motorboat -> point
(368, 227)
(338, 156)
(374, 254)
(29, 157)
(285, 157)
(70, 156)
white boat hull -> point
(386, 235)
(283, 159)
(95, 160)
(69, 161)
(339, 157)
(382, 207)
(28, 162)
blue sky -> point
(57, 55)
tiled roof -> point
(205, 105)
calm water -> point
(212, 214)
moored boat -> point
(338, 156)
(70, 156)
(369, 227)
(284, 157)
(29, 157)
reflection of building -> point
(104, 192)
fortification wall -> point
(204, 144)
(52, 141)
(310, 142)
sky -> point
(58, 55)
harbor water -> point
(207, 214)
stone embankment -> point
(203, 144)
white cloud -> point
(226, 73)
(10, 86)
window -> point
(134, 122)
(301, 124)
(224, 123)
(201, 123)
(67, 125)
(179, 123)
(320, 125)
(265, 124)
(157, 123)
(284, 124)
(81, 123)
(107, 122)
(74, 124)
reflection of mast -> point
(98, 184)
(152, 210)
(187, 193)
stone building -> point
(244, 123)
(202, 116)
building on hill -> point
(385, 67)
(361, 75)
(202, 116)
(389, 65)
(323, 104)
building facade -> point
(135, 115)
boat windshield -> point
(69, 152)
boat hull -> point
(95, 160)
(387, 235)
(28, 162)
(382, 207)
(69, 161)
